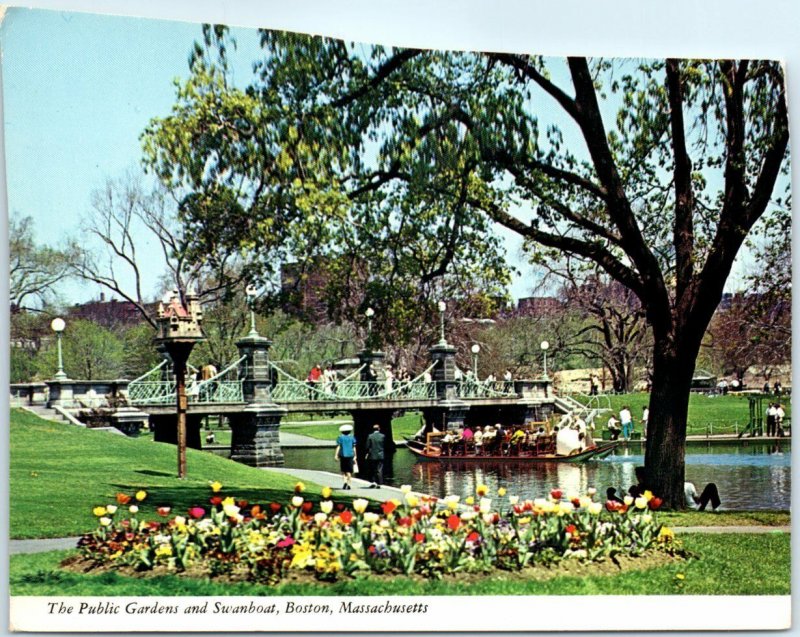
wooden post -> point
(180, 391)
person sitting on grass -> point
(710, 493)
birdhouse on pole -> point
(179, 328)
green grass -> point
(722, 413)
(725, 564)
(59, 472)
(726, 518)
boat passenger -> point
(567, 441)
(477, 439)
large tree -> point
(654, 170)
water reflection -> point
(749, 477)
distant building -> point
(110, 314)
(539, 306)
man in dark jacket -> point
(375, 444)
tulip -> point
(425, 510)
(572, 496)
(346, 517)
(452, 502)
(274, 507)
(370, 517)
(453, 522)
(111, 508)
(486, 505)
(215, 500)
(655, 503)
(501, 491)
(320, 517)
(513, 500)
(591, 491)
(473, 537)
(197, 512)
(180, 520)
(104, 521)
(468, 515)
(388, 507)
(647, 495)
(163, 511)
(133, 509)
(641, 502)
(628, 500)
(595, 508)
(556, 494)
(360, 505)
(481, 490)
(585, 501)
(99, 511)
(216, 486)
(411, 500)
(326, 506)
(141, 495)
(231, 510)
(470, 500)
(406, 488)
(405, 521)
(228, 501)
(297, 501)
(419, 538)
(647, 518)
(299, 487)
(326, 492)
(123, 499)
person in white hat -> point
(346, 453)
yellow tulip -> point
(216, 486)
(299, 487)
(104, 521)
(360, 505)
(99, 511)
(481, 490)
(411, 500)
(228, 501)
(648, 495)
(501, 491)
(141, 495)
(470, 500)
(326, 492)
(640, 502)
(326, 506)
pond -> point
(750, 476)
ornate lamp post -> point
(58, 325)
(369, 313)
(545, 346)
(252, 293)
(475, 350)
(179, 328)
(442, 307)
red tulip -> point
(123, 499)
(473, 537)
(556, 494)
(419, 538)
(287, 541)
(307, 506)
(346, 517)
(215, 500)
(164, 511)
(612, 505)
(388, 507)
(274, 507)
(242, 504)
(425, 509)
(405, 521)
(576, 503)
(570, 529)
(197, 512)
(655, 503)
(453, 522)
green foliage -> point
(90, 352)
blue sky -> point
(78, 91)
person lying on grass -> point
(710, 494)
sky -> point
(78, 91)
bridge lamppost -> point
(545, 346)
(58, 325)
(442, 307)
(252, 293)
(475, 351)
(369, 313)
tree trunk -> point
(666, 429)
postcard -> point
(328, 329)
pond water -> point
(749, 477)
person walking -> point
(645, 418)
(346, 453)
(375, 450)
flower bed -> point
(412, 535)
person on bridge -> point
(375, 449)
(345, 453)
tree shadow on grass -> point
(150, 472)
(181, 498)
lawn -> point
(59, 472)
(405, 425)
(724, 564)
(723, 414)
